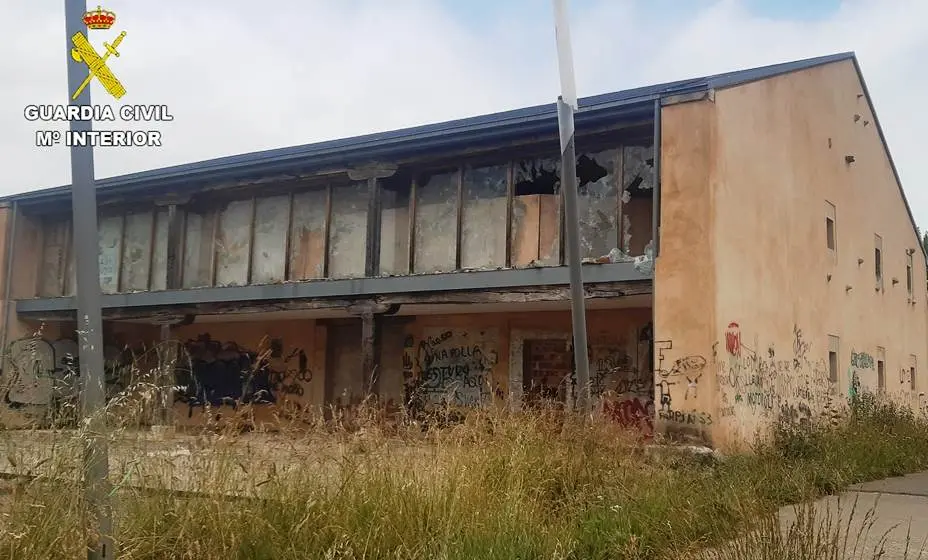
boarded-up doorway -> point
(344, 379)
(546, 367)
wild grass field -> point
(497, 484)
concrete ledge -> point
(353, 287)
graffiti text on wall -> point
(451, 367)
(224, 373)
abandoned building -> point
(748, 252)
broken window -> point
(136, 257)
(436, 222)
(394, 225)
(233, 243)
(348, 230)
(483, 228)
(308, 234)
(269, 253)
(536, 212)
(637, 196)
(598, 202)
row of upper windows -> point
(830, 240)
(907, 373)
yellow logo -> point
(84, 52)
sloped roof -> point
(409, 142)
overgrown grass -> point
(498, 485)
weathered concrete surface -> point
(889, 515)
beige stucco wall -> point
(777, 155)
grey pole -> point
(577, 304)
(89, 321)
(566, 105)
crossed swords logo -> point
(84, 52)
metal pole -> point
(89, 321)
(566, 105)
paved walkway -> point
(893, 510)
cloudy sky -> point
(241, 76)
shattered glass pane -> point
(598, 203)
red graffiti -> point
(631, 413)
(733, 339)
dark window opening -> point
(908, 278)
(878, 264)
(537, 176)
(830, 233)
(912, 377)
(588, 171)
(833, 366)
(880, 375)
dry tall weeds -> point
(489, 484)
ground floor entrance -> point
(278, 364)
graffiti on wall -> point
(42, 373)
(450, 367)
(224, 373)
(765, 385)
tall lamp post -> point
(566, 105)
(89, 320)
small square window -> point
(878, 261)
(833, 349)
(830, 233)
(830, 230)
(912, 371)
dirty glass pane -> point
(597, 202)
(109, 238)
(638, 184)
(348, 233)
(394, 227)
(269, 254)
(233, 243)
(159, 261)
(483, 231)
(436, 222)
(136, 261)
(536, 211)
(307, 234)
(56, 235)
(199, 249)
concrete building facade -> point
(749, 254)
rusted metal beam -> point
(360, 288)
(358, 306)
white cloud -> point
(308, 70)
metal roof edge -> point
(732, 79)
(506, 121)
(889, 155)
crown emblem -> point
(99, 19)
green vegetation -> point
(497, 485)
